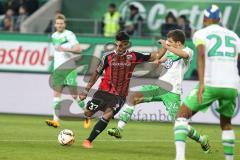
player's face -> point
(121, 46)
(172, 43)
(60, 25)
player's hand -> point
(82, 96)
(50, 58)
(61, 49)
(200, 93)
(163, 43)
(157, 62)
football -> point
(66, 137)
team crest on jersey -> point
(168, 64)
(215, 106)
(129, 57)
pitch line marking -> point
(104, 140)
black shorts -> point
(102, 100)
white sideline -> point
(105, 140)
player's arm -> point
(177, 51)
(201, 68)
(200, 42)
(75, 49)
(93, 79)
(150, 57)
(157, 55)
(163, 59)
(51, 53)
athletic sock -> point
(56, 106)
(125, 116)
(193, 134)
(228, 139)
(98, 128)
(180, 133)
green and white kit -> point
(176, 68)
(221, 79)
(63, 74)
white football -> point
(66, 137)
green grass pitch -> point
(29, 138)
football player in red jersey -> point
(111, 95)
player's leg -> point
(98, 128)
(71, 81)
(186, 111)
(228, 137)
(81, 104)
(56, 108)
(181, 131)
(126, 113)
(227, 109)
(108, 103)
(58, 85)
(145, 94)
(172, 103)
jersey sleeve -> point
(142, 57)
(198, 38)
(72, 39)
(190, 53)
(51, 50)
(51, 47)
(238, 46)
(102, 65)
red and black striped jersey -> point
(118, 70)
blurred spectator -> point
(14, 4)
(8, 15)
(170, 24)
(133, 23)
(50, 27)
(111, 21)
(22, 16)
(7, 24)
(183, 24)
(31, 5)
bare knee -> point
(88, 113)
(57, 93)
(225, 123)
(135, 99)
(108, 114)
(185, 112)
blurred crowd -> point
(15, 12)
(171, 23)
(112, 22)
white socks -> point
(56, 113)
(228, 140)
(180, 150)
(56, 106)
